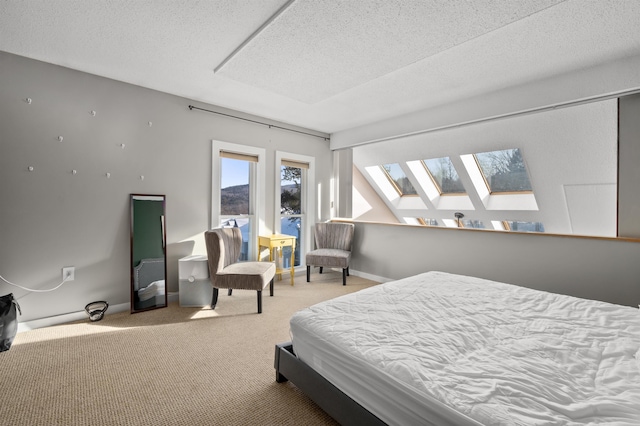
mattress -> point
(443, 349)
(155, 289)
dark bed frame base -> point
(331, 399)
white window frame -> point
(256, 183)
(307, 202)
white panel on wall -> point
(592, 209)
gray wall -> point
(50, 218)
(596, 268)
(628, 170)
(592, 268)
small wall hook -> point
(93, 113)
(141, 177)
(28, 100)
(150, 124)
(30, 168)
(122, 145)
(60, 138)
(74, 172)
(108, 175)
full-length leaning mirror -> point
(148, 252)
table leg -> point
(293, 258)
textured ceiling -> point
(328, 65)
(311, 53)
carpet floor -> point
(170, 366)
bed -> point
(446, 349)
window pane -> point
(518, 226)
(464, 223)
(235, 198)
(245, 227)
(397, 176)
(234, 179)
(291, 226)
(290, 194)
(504, 170)
(292, 176)
(445, 175)
(430, 222)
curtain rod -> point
(191, 107)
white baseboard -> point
(77, 316)
(123, 307)
(64, 318)
(369, 276)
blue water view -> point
(288, 226)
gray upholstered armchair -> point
(223, 251)
(333, 248)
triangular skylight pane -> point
(504, 171)
(399, 179)
(444, 175)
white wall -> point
(51, 218)
(615, 77)
(592, 268)
(629, 172)
(569, 153)
(367, 205)
(597, 268)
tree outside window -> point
(504, 171)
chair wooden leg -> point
(308, 273)
(230, 290)
(259, 301)
(321, 269)
(344, 276)
(271, 287)
(214, 298)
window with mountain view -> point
(504, 171)
(236, 198)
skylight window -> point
(428, 222)
(476, 224)
(520, 226)
(504, 171)
(399, 179)
(444, 175)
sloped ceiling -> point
(327, 65)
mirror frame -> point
(152, 269)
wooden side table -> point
(277, 241)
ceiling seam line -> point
(253, 35)
(192, 107)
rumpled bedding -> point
(154, 289)
(497, 354)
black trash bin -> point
(9, 309)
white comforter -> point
(499, 354)
(155, 289)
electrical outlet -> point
(68, 273)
